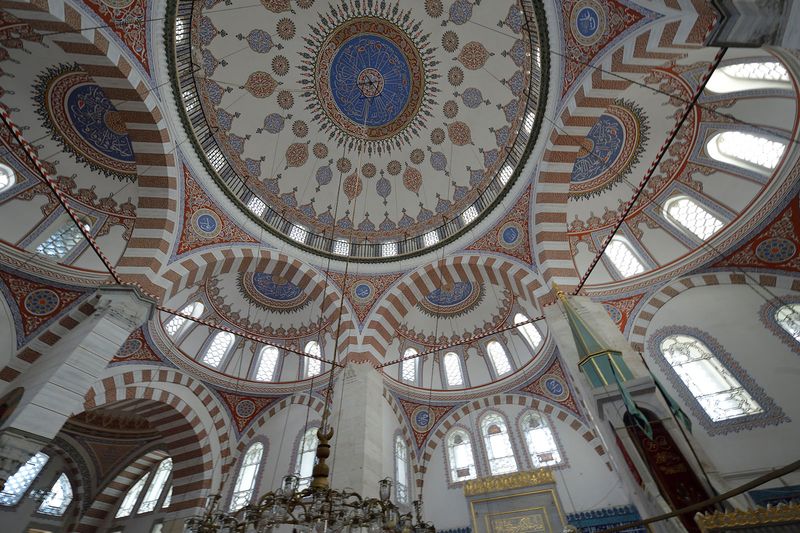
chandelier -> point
(316, 509)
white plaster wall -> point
(730, 314)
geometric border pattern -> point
(771, 414)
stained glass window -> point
(306, 457)
(498, 445)
(459, 453)
(176, 323)
(267, 363)
(130, 499)
(218, 348)
(59, 498)
(246, 480)
(692, 216)
(788, 317)
(717, 391)
(408, 366)
(540, 441)
(18, 484)
(452, 370)
(401, 470)
(499, 358)
(156, 486)
(742, 149)
(529, 331)
(63, 241)
(313, 366)
(7, 177)
(748, 75)
(622, 257)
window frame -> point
(415, 362)
(771, 414)
(145, 480)
(276, 372)
(60, 474)
(261, 441)
(306, 361)
(743, 84)
(162, 492)
(12, 178)
(187, 325)
(203, 352)
(521, 332)
(490, 362)
(21, 495)
(462, 368)
(295, 463)
(614, 270)
(449, 461)
(484, 437)
(62, 224)
(558, 448)
(710, 146)
(399, 440)
(768, 318)
(677, 197)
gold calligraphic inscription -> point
(519, 524)
(780, 514)
(516, 480)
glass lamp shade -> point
(385, 489)
(289, 485)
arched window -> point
(453, 374)
(717, 391)
(499, 358)
(408, 366)
(130, 499)
(459, 454)
(401, 469)
(246, 480)
(256, 206)
(59, 498)
(748, 76)
(788, 317)
(498, 445)
(156, 486)
(7, 177)
(218, 349)
(267, 363)
(313, 366)
(691, 216)
(529, 331)
(306, 457)
(540, 441)
(17, 485)
(62, 241)
(622, 257)
(745, 150)
(167, 498)
(176, 324)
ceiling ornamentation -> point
(272, 293)
(84, 121)
(452, 299)
(379, 120)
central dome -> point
(362, 128)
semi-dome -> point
(374, 130)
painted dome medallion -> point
(379, 120)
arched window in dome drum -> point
(62, 241)
(714, 387)
(540, 441)
(17, 485)
(691, 216)
(401, 470)
(408, 366)
(246, 479)
(313, 367)
(621, 255)
(7, 177)
(177, 323)
(267, 363)
(156, 486)
(498, 444)
(58, 498)
(788, 317)
(218, 349)
(529, 331)
(453, 373)
(745, 150)
(460, 456)
(748, 76)
(499, 358)
(306, 457)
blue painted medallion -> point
(452, 300)
(510, 234)
(363, 290)
(272, 293)
(207, 223)
(587, 22)
(554, 387)
(98, 122)
(422, 418)
(370, 80)
(458, 293)
(608, 138)
(266, 285)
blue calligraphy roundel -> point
(370, 80)
(587, 22)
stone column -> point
(358, 440)
(57, 382)
(754, 23)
